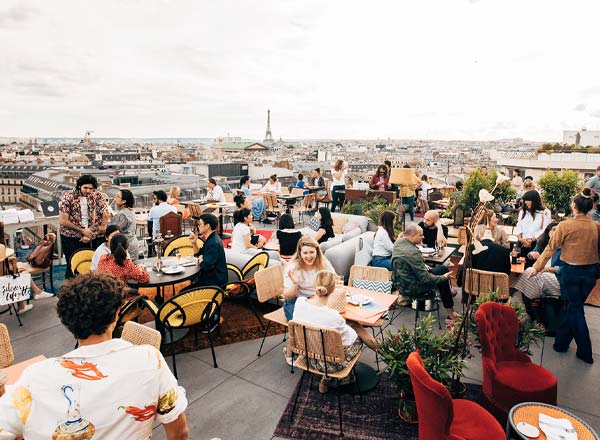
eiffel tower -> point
(268, 134)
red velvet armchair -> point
(509, 376)
(444, 418)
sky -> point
(335, 69)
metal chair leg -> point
(255, 312)
(297, 394)
(173, 353)
(264, 337)
(340, 412)
(212, 349)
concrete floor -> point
(245, 397)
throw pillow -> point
(338, 224)
(350, 226)
(376, 286)
(314, 223)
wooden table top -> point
(14, 371)
(366, 315)
(441, 257)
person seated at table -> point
(314, 311)
(325, 231)
(487, 255)
(299, 183)
(299, 278)
(213, 264)
(412, 277)
(547, 283)
(104, 248)
(380, 181)
(533, 220)
(384, 240)
(105, 388)
(214, 192)
(273, 186)
(490, 222)
(258, 203)
(160, 208)
(287, 235)
(433, 230)
(173, 199)
(119, 264)
(244, 238)
(317, 180)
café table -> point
(529, 412)
(367, 315)
(519, 267)
(440, 256)
(160, 280)
(220, 206)
(289, 199)
(14, 371)
(442, 203)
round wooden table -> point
(159, 280)
(529, 412)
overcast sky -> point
(442, 69)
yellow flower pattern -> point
(21, 401)
(167, 402)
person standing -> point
(338, 183)
(160, 208)
(517, 181)
(578, 240)
(594, 182)
(407, 192)
(83, 218)
(380, 181)
(125, 220)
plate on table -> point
(359, 300)
(427, 250)
(173, 270)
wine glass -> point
(178, 256)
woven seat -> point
(278, 316)
(183, 245)
(305, 206)
(81, 261)
(6, 354)
(139, 334)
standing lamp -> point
(402, 177)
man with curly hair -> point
(106, 388)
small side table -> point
(529, 412)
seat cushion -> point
(517, 382)
(473, 422)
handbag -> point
(41, 257)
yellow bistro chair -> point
(81, 261)
(184, 246)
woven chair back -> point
(256, 263)
(139, 334)
(482, 281)
(368, 273)
(269, 282)
(6, 354)
(182, 244)
(317, 343)
(188, 307)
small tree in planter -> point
(372, 209)
(558, 189)
(529, 332)
(438, 353)
(469, 197)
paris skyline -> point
(474, 70)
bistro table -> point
(159, 280)
(220, 206)
(290, 200)
(529, 412)
(439, 257)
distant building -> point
(11, 181)
(232, 147)
(582, 137)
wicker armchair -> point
(139, 334)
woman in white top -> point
(272, 186)
(533, 220)
(338, 183)
(314, 311)
(299, 280)
(384, 240)
(242, 240)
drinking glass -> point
(340, 280)
(178, 256)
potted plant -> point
(530, 332)
(438, 353)
(558, 190)
(468, 199)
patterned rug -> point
(375, 418)
(264, 232)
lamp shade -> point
(402, 176)
(485, 196)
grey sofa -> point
(357, 250)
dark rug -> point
(239, 324)
(375, 418)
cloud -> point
(17, 14)
(580, 107)
(38, 88)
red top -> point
(377, 180)
(129, 271)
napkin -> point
(557, 429)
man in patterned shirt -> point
(105, 388)
(83, 218)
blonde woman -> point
(314, 311)
(338, 183)
(299, 280)
(173, 199)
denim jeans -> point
(410, 201)
(288, 308)
(379, 261)
(337, 198)
(578, 282)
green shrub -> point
(476, 181)
(558, 189)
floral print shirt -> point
(109, 390)
(70, 204)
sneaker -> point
(43, 295)
(288, 359)
(25, 309)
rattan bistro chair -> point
(6, 353)
(40, 272)
(182, 244)
(305, 207)
(319, 344)
(139, 334)
(81, 261)
(269, 285)
(482, 281)
(195, 307)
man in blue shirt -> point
(213, 265)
